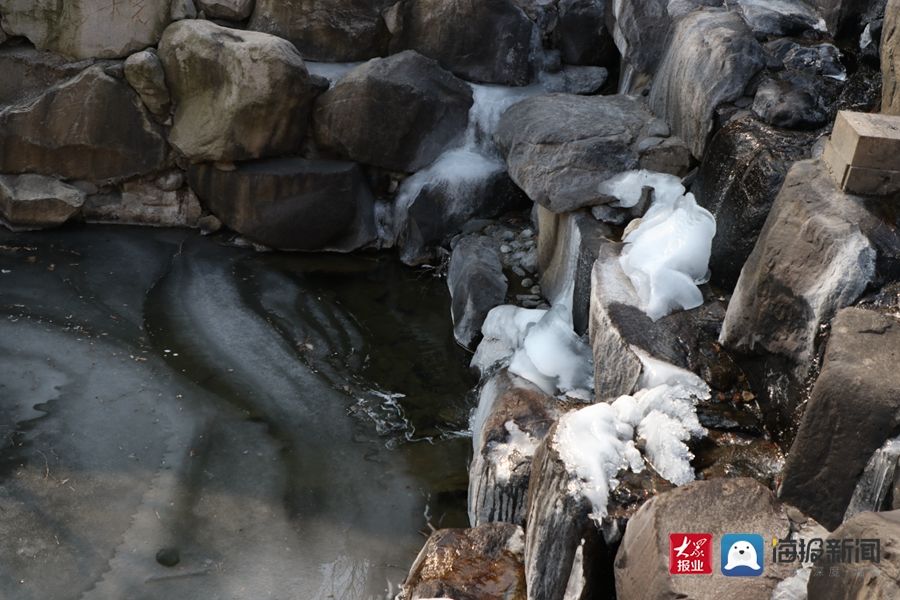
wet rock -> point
(842, 14)
(143, 203)
(87, 28)
(326, 30)
(666, 155)
(840, 430)
(512, 417)
(221, 113)
(740, 176)
(398, 113)
(229, 10)
(715, 50)
(28, 72)
(790, 102)
(640, 30)
(890, 59)
(485, 42)
(875, 580)
(717, 506)
(581, 33)
(874, 488)
(822, 60)
(477, 284)
(779, 18)
(36, 202)
(66, 132)
(483, 563)
(575, 80)
(560, 148)
(144, 71)
(291, 203)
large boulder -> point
(853, 410)
(87, 28)
(291, 203)
(559, 148)
(238, 94)
(144, 72)
(326, 30)
(36, 202)
(890, 59)
(92, 127)
(477, 284)
(716, 51)
(488, 41)
(398, 113)
(28, 72)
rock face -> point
(291, 203)
(840, 430)
(230, 10)
(581, 33)
(560, 148)
(36, 202)
(477, 284)
(863, 579)
(326, 30)
(487, 42)
(484, 563)
(718, 53)
(87, 28)
(238, 94)
(780, 18)
(144, 71)
(890, 59)
(91, 127)
(640, 30)
(28, 72)
(398, 113)
(141, 203)
(717, 506)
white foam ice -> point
(519, 446)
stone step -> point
(859, 180)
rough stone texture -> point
(87, 28)
(238, 94)
(91, 127)
(890, 59)
(741, 174)
(398, 113)
(560, 148)
(291, 203)
(581, 34)
(28, 72)
(853, 410)
(840, 14)
(484, 563)
(575, 80)
(640, 31)
(500, 470)
(36, 202)
(326, 30)
(230, 10)
(477, 284)
(666, 155)
(144, 71)
(790, 101)
(488, 41)
(865, 579)
(141, 203)
(717, 506)
(718, 54)
(767, 18)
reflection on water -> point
(289, 424)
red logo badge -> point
(690, 553)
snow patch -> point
(506, 456)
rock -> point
(87, 28)
(483, 563)
(890, 59)
(142, 203)
(840, 431)
(640, 30)
(168, 557)
(229, 10)
(560, 148)
(779, 18)
(209, 224)
(28, 72)
(842, 14)
(790, 102)
(291, 203)
(222, 113)
(873, 490)
(820, 59)
(183, 9)
(581, 33)
(477, 284)
(717, 507)
(873, 580)
(67, 132)
(36, 202)
(741, 174)
(486, 42)
(575, 80)
(715, 50)
(144, 71)
(665, 155)
(397, 113)
(512, 417)
(326, 30)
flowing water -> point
(288, 424)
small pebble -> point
(527, 233)
(518, 270)
(508, 236)
(505, 249)
(527, 283)
(536, 290)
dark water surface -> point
(288, 423)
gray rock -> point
(477, 284)
(790, 101)
(48, 136)
(291, 203)
(640, 31)
(875, 486)
(840, 430)
(143, 203)
(581, 33)
(326, 30)
(36, 202)
(841, 14)
(669, 155)
(28, 72)
(863, 579)
(144, 71)
(779, 17)
(229, 10)
(890, 59)
(488, 41)
(822, 60)
(238, 94)
(575, 80)
(717, 52)
(183, 9)
(560, 148)
(398, 113)
(87, 28)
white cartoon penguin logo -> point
(742, 554)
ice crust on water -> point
(667, 255)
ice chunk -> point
(506, 456)
(504, 331)
(794, 587)
(627, 187)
